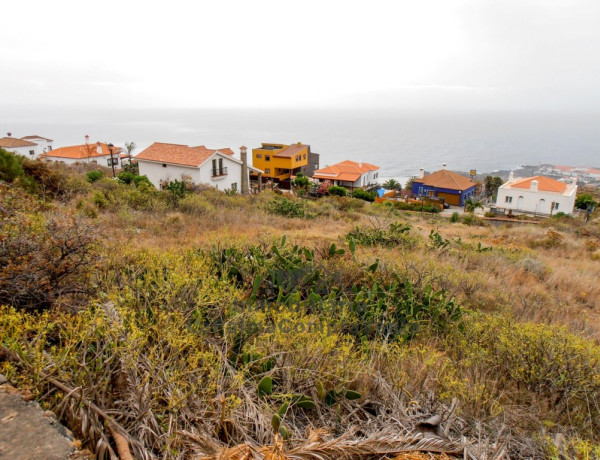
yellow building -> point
(279, 161)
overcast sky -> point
(495, 54)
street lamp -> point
(112, 162)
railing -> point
(219, 172)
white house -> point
(100, 153)
(537, 195)
(29, 146)
(162, 163)
(349, 174)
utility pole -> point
(112, 162)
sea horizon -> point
(399, 141)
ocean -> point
(400, 142)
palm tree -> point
(471, 205)
(392, 184)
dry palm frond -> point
(346, 447)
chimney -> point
(9, 134)
(511, 177)
(98, 148)
(244, 158)
(534, 186)
(443, 165)
(299, 143)
(87, 139)
(421, 173)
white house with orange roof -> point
(538, 195)
(163, 163)
(100, 153)
(29, 146)
(349, 174)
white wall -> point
(158, 174)
(233, 176)
(532, 201)
(37, 151)
(101, 160)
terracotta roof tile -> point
(290, 151)
(179, 154)
(14, 142)
(545, 184)
(446, 179)
(79, 152)
(347, 171)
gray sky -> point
(493, 54)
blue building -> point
(454, 188)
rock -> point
(430, 427)
(25, 433)
(3, 379)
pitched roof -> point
(79, 152)
(446, 179)
(13, 142)
(545, 184)
(37, 137)
(347, 171)
(179, 154)
(290, 151)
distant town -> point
(294, 168)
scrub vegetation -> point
(206, 325)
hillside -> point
(195, 324)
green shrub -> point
(93, 176)
(100, 200)
(395, 234)
(545, 366)
(177, 187)
(455, 217)
(364, 195)
(584, 201)
(10, 166)
(337, 190)
(196, 205)
(472, 219)
(287, 207)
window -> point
(259, 155)
(305, 156)
(508, 199)
(267, 171)
(32, 152)
(49, 148)
(234, 187)
(555, 206)
(267, 157)
(164, 165)
(112, 161)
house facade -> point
(454, 188)
(538, 195)
(163, 163)
(29, 146)
(100, 153)
(280, 161)
(349, 174)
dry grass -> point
(135, 351)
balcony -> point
(219, 172)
